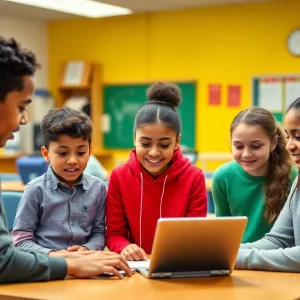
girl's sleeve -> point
(219, 196)
(197, 206)
(277, 250)
(116, 221)
(284, 260)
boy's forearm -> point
(31, 245)
(95, 242)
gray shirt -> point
(279, 250)
(52, 216)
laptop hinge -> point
(220, 272)
(161, 275)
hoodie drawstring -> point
(162, 195)
(141, 203)
(141, 208)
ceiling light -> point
(87, 8)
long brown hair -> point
(277, 183)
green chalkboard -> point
(121, 103)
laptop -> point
(194, 247)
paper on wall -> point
(270, 95)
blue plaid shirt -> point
(52, 216)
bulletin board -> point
(276, 92)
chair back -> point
(11, 201)
(30, 167)
(10, 177)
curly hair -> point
(277, 184)
(65, 121)
(163, 98)
(15, 63)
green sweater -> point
(19, 265)
(237, 193)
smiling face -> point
(68, 157)
(155, 145)
(13, 110)
(251, 148)
(292, 129)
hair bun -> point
(164, 92)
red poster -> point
(214, 94)
(234, 96)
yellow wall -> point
(224, 44)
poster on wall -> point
(270, 94)
(234, 96)
(214, 94)
(74, 73)
(292, 90)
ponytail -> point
(278, 180)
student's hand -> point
(67, 254)
(97, 263)
(57, 253)
(134, 252)
(77, 248)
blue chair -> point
(30, 167)
(210, 203)
(11, 201)
(208, 174)
(10, 177)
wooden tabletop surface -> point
(240, 285)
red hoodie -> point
(135, 200)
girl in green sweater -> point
(256, 184)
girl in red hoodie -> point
(157, 181)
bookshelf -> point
(84, 78)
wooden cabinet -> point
(8, 163)
(89, 85)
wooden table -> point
(8, 162)
(18, 186)
(240, 285)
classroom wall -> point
(224, 44)
(32, 35)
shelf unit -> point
(90, 86)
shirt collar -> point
(54, 181)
